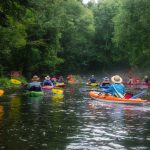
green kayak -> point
(35, 93)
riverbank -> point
(6, 82)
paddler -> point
(146, 79)
(116, 87)
(105, 82)
(47, 81)
(92, 79)
(54, 79)
(61, 79)
(35, 85)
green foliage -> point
(77, 35)
(103, 48)
(5, 82)
(132, 31)
(39, 36)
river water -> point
(71, 122)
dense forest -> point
(60, 36)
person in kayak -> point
(130, 81)
(35, 85)
(54, 79)
(92, 79)
(105, 82)
(47, 81)
(61, 79)
(116, 87)
(146, 79)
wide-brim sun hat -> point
(35, 78)
(116, 79)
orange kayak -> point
(110, 98)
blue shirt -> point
(47, 82)
(119, 87)
(92, 80)
(34, 86)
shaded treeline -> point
(52, 36)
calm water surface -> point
(72, 122)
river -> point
(71, 122)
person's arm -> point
(124, 89)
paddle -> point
(138, 95)
(87, 90)
(119, 94)
(104, 87)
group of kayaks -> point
(57, 89)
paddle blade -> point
(138, 95)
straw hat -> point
(35, 78)
(47, 77)
(116, 79)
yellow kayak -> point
(57, 97)
(60, 84)
(92, 84)
(57, 91)
(15, 81)
(1, 92)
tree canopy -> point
(55, 36)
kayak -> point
(62, 84)
(137, 84)
(57, 91)
(110, 98)
(57, 97)
(15, 81)
(47, 87)
(92, 84)
(35, 93)
(1, 92)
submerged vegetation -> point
(47, 36)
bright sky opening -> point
(86, 1)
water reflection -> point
(72, 121)
(1, 115)
(35, 103)
(110, 126)
(14, 112)
(57, 97)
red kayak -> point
(47, 87)
(137, 84)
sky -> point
(86, 1)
